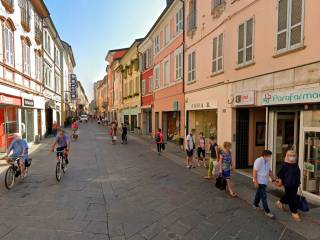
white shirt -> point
(262, 167)
(189, 142)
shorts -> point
(59, 149)
(201, 152)
(189, 153)
(226, 174)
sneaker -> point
(255, 207)
(270, 215)
(296, 217)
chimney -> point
(169, 2)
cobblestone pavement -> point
(124, 192)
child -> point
(214, 156)
(202, 150)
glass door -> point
(311, 163)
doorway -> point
(286, 136)
(242, 138)
(49, 120)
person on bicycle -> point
(62, 142)
(19, 148)
(75, 126)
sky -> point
(93, 27)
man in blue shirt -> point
(19, 148)
(261, 174)
(62, 141)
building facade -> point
(101, 97)
(131, 111)
(168, 98)
(21, 100)
(82, 100)
(145, 50)
(259, 87)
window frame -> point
(178, 59)
(156, 78)
(38, 66)
(288, 29)
(217, 57)
(143, 87)
(26, 58)
(166, 81)
(192, 62)
(11, 50)
(245, 47)
(166, 34)
(157, 44)
(179, 21)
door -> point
(286, 136)
(49, 120)
(242, 138)
(150, 122)
(39, 123)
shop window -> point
(311, 119)
(290, 24)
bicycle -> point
(61, 165)
(14, 171)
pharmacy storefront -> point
(294, 124)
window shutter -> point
(282, 24)
(241, 44)
(296, 22)
(214, 55)
(249, 40)
(220, 53)
(193, 77)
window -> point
(217, 61)
(245, 42)
(192, 17)
(179, 21)
(137, 85)
(8, 45)
(37, 67)
(156, 77)
(57, 57)
(166, 71)
(131, 87)
(47, 76)
(26, 58)
(25, 14)
(192, 67)
(149, 57)
(178, 56)
(157, 44)
(290, 24)
(57, 80)
(150, 84)
(166, 34)
(47, 42)
(143, 87)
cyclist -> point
(62, 142)
(19, 148)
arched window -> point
(26, 43)
(8, 34)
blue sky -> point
(92, 27)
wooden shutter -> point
(282, 32)
(214, 55)
(296, 22)
(220, 53)
(189, 67)
(249, 40)
(193, 73)
(241, 44)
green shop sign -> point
(298, 96)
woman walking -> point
(202, 150)
(226, 165)
(159, 140)
(289, 177)
(113, 133)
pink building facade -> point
(168, 97)
(252, 78)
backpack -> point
(158, 138)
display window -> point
(8, 126)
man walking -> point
(261, 174)
(190, 146)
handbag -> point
(221, 183)
(302, 202)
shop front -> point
(171, 125)
(146, 112)
(294, 124)
(9, 120)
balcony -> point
(38, 35)
(8, 5)
(25, 20)
(191, 23)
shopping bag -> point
(114, 138)
(221, 183)
(302, 202)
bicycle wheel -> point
(58, 171)
(10, 178)
(63, 165)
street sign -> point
(73, 86)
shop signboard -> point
(73, 86)
(291, 97)
(28, 102)
(8, 100)
(245, 98)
